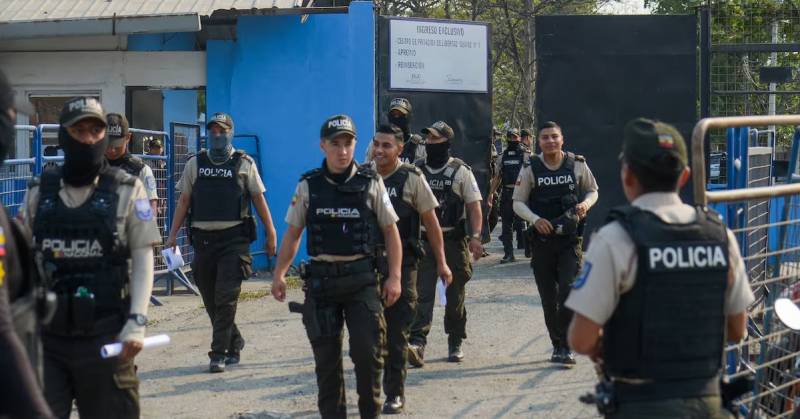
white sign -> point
(438, 55)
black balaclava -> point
(6, 123)
(403, 122)
(338, 178)
(513, 145)
(82, 162)
(438, 154)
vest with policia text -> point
(409, 154)
(338, 220)
(512, 162)
(554, 191)
(451, 206)
(218, 194)
(669, 328)
(132, 165)
(80, 248)
(409, 223)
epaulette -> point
(121, 177)
(311, 173)
(411, 168)
(243, 154)
(580, 158)
(456, 163)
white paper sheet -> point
(114, 349)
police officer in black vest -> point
(662, 288)
(459, 214)
(20, 302)
(94, 232)
(554, 194)
(415, 204)
(346, 209)
(512, 160)
(118, 155)
(217, 187)
(400, 116)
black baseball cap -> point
(80, 108)
(222, 119)
(337, 125)
(400, 104)
(118, 127)
(645, 141)
(512, 132)
(440, 129)
(525, 133)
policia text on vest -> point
(662, 288)
(341, 282)
(217, 187)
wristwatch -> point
(475, 237)
(140, 319)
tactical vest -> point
(512, 162)
(218, 194)
(451, 206)
(409, 223)
(669, 328)
(338, 220)
(409, 153)
(132, 165)
(553, 189)
(80, 247)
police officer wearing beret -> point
(346, 210)
(117, 153)
(399, 115)
(662, 288)
(456, 189)
(554, 193)
(415, 204)
(217, 187)
(94, 231)
(20, 346)
(511, 162)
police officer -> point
(526, 140)
(94, 232)
(455, 188)
(217, 187)
(346, 209)
(414, 203)
(400, 116)
(662, 287)
(514, 157)
(117, 153)
(554, 194)
(20, 395)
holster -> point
(322, 319)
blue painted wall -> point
(179, 106)
(282, 78)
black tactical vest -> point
(409, 223)
(512, 162)
(80, 247)
(218, 194)
(338, 220)
(553, 189)
(669, 327)
(451, 206)
(132, 165)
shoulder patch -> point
(143, 209)
(580, 281)
(150, 183)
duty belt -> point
(658, 390)
(509, 186)
(219, 235)
(318, 269)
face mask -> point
(513, 145)
(400, 121)
(82, 162)
(219, 147)
(437, 154)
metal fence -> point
(766, 220)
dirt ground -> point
(506, 372)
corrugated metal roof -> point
(43, 10)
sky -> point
(625, 7)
